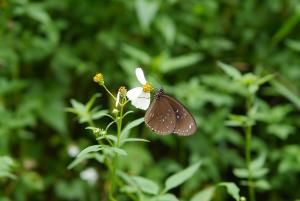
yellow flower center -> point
(147, 87)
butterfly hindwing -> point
(160, 116)
(185, 123)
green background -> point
(50, 50)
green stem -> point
(109, 92)
(120, 126)
(116, 156)
(248, 132)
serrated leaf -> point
(232, 189)
(180, 177)
(204, 195)
(93, 148)
(230, 70)
(146, 185)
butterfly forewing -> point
(160, 116)
(185, 123)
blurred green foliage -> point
(50, 50)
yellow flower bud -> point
(123, 91)
(99, 78)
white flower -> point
(73, 150)
(90, 175)
(140, 96)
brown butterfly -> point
(166, 115)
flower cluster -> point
(139, 96)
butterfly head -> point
(159, 93)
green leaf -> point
(239, 121)
(134, 140)
(204, 195)
(146, 185)
(167, 27)
(258, 162)
(78, 160)
(175, 63)
(7, 165)
(262, 184)
(99, 114)
(165, 197)
(232, 189)
(111, 137)
(293, 44)
(37, 12)
(287, 27)
(91, 102)
(128, 127)
(77, 107)
(93, 148)
(180, 177)
(264, 79)
(118, 150)
(286, 92)
(146, 11)
(230, 70)
(243, 173)
(128, 179)
(136, 53)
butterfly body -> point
(166, 115)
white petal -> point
(140, 76)
(118, 99)
(142, 102)
(134, 93)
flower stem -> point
(115, 162)
(109, 92)
(248, 133)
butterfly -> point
(166, 115)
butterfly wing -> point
(160, 116)
(185, 123)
